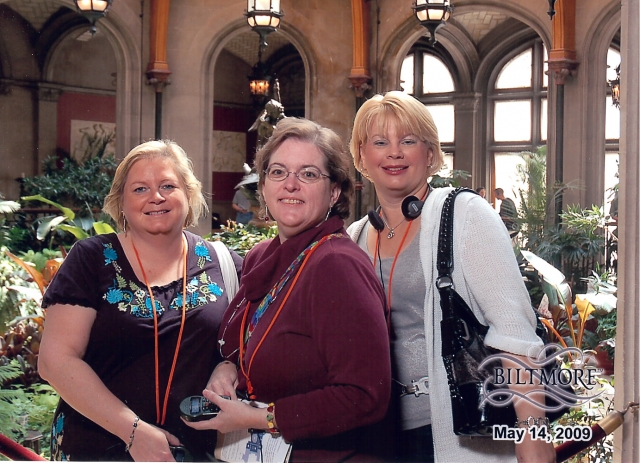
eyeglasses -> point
(311, 174)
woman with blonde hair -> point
(132, 318)
(395, 145)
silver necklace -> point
(221, 342)
(391, 233)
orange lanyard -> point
(393, 265)
(244, 322)
(161, 419)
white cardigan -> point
(487, 277)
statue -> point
(267, 120)
(272, 113)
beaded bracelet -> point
(133, 432)
(271, 426)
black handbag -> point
(464, 350)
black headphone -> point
(411, 207)
(375, 220)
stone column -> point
(467, 139)
(627, 363)
(47, 124)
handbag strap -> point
(227, 268)
(445, 239)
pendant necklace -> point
(391, 233)
(161, 414)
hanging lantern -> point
(93, 10)
(432, 14)
(264, 17)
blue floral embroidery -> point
(114, 295)
(110, 254)
(214, 289)
(202, 252)
(57, 434)
(129, 297)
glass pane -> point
(512, 121)
(517, 72)
(612, 121)
(448, 166)
(506, 175)
(545, 68)
(613, 59)
(436, 76)
(611, 161)
(444, 117)
(543, 119)
(406, 75)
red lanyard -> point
(160, 419)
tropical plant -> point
(586, 321)
(14, 287)
(9, 371)
(453, 179)
(73, 184)
(6, 207)
(578, 241)
(240, 238)
(79, 227)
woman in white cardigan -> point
(395, 145)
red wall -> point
(84, 107)
(232, 120)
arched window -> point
(611, 133)
(517, 107)
(426, 76)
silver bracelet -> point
(531, 421)
(133, 433)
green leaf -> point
(48, 224)
(78, 232)
(68, 213)
(102, 228)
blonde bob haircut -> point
(409, 117)
(158, 149)
(331, 146)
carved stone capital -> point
(360, 84)
(48, 93)
(560, 70)
(159, 78)
(467, 102)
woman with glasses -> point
(306, 334)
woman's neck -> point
(391, 205)
(161, 256)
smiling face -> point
(154, 199)
(398, 163)
(295, 205)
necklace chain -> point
(391, 233)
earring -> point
(328, 213)
(124, 225)
(266, 213)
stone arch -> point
(207, 80)
(128, 79)
(601, 34)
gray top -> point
(408, 345)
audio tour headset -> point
(411, 209)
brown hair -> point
(330, 145)
(408, 114)
(183, 167)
